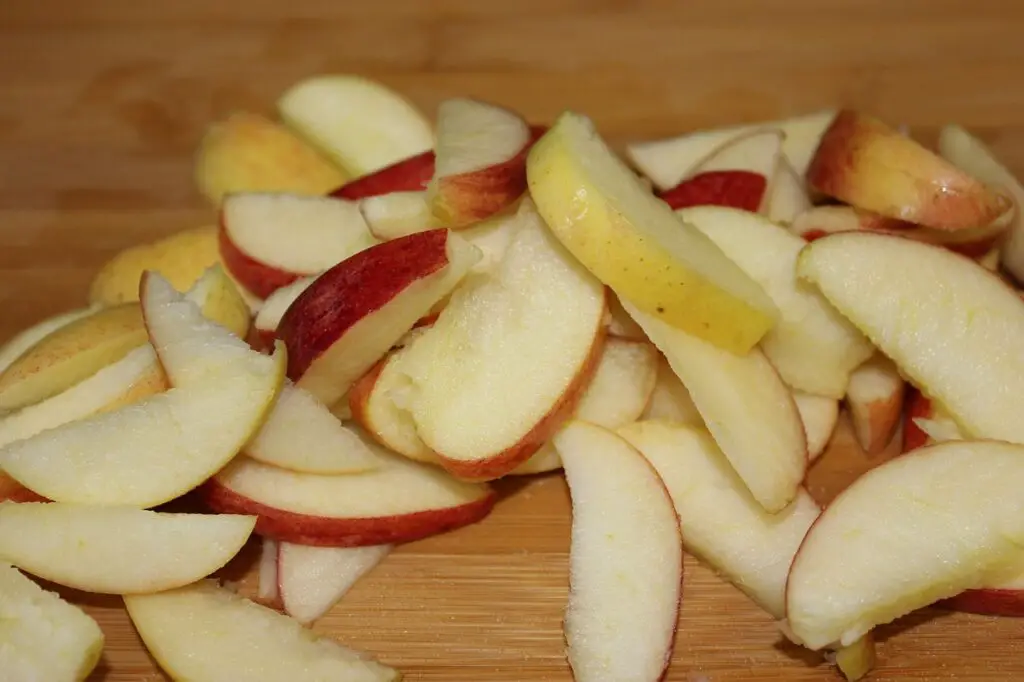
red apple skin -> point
(408, 175)
(730, 188)
(303, 529)
(259, 278)
(12, 491)
(987, 602)
(353, 289)
(918, 405)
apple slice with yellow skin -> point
(819, 415)
(21, 342)
(352, 315)
(886, 545)
(951, 341)
(118, 550)
(539, 308)
(867, 164)
(206, 633)
(747, 408)
(269, 240)
(625, 560)
(358, 123)
(630, 240)
(812, 346)
(400, 501)
(313, 579)
(875, 400)
(250, 153)
(273, 309)
(788, 197)
(45, 638)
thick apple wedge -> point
(249, 153)
(361, 125)
(118, 550)
(630, 240)
(355, 312)
(867, 164)
(919, 528)
(812, 346)
(205, 633)
(21, 342)
(875, 400)
(747, 408)
(313, 579)
(480, 165)
(45, 639)
(721, 523)
(412, 174)
(788, 197)
(269, 240)
(819, 415)
(954, 338)
(273, 309)
(468, 398)
(666, 162)
(735, 188)
(625, 560)
(400, 501)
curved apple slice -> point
(312, 579)
(18, 344)
(267, 591)
(205, 633)
(919, 528)
(273, 309)
(742, 189)
(398, 502)
(45, 638)
(411, 174)
(788, 197)
(670, 400)
(745, 405)
(944, 320)
(819, 415)
(118, 550)
(625, 559)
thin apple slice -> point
(21, 342)
(919, 528)
(411, 174)
(926, 423)
(360, 124)
(269, 240)
(313, 579)
(1004, 597)
(721, 523)
(538, 309)
(740, 189)
(812, 346)
(952, 342)
(625, 560)
(267, 591)
(118, 550)
(352, 315)
(205, 633)
(875, 400)
(670, 401)
(45, 638)
(630, 240)
(788, 197)
(858, 659)
(481, 161)
(745, 405)
(758, 152)
(819, 415)
(972, 156)
(620, 324)
(666, 162)
(273, 309)
(867, 164)
(398, 214)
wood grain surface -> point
(102, 103)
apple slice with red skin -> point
(264, 325)
(874, 398)
(349, 318)
(408, 175)
(741, 189)
(15, 492)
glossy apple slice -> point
(205, 633)
(313, 579)
(875, 400)
(625, 560)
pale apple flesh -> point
(267, 591)
(273, 309)
(398, 214)
(819, 415)
(671, 401)
(874, 398)
(313, 579)
(788, 197)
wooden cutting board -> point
(102, 103)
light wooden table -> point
(103, 101)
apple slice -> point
(812, 346)
(45, 638)
(954, 342)
(971, 155)
(361, 125)
(273, 309)
(747, 408)
(400, 501)
(606, 217)
(666, 162)
(250, 153)
(270, 240)
(1004, 597)
(721, 523)
(864, 162)
(735, 188)
(344, 322)
(620, 324)
(411, 174)
(819, 415)
(313, 579)
(267, 592)
(926, 423)
(788, 197)
(670, 401)
(919, 528)
(468, 398)
(205, 633)
(858, 659)
(398, 214)
(625, 560)
(875, 400)
(21, 342)
(118, 550)
(481, 161)
(758, 152)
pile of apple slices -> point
(389, 315)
